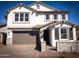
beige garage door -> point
(24, 38)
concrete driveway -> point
(24, 51)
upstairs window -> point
(63, 16)
(16, 17)
(26, 17)
(63, 33)
(47, 17)
(55, 16)
(21, 17)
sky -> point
(72, 6)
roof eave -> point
(66, 12)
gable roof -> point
(39, 2)
(50, 7)
(21, 5)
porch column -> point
(43, 43)
(9, 37)
(74, 34)
(52, 37)
(68, 34)
(59, 33)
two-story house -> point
(38, 24)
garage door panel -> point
(24, 38)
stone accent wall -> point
(68, 46)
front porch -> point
(61, 32)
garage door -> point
(24, 37)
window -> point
(21, 16)
(16, 17)
(63, 16)
(64, 33)
(55, 16)
(57, 33)
(47, 16)
(26, 17)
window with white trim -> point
(63, 16)
(55, 16)
(63, 33)
(21, 17)
(26, 17)
(17, 17)
(47, 17)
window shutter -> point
(56, 33)
(71, 34)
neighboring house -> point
(38, 24)
(3, 35)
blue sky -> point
(72, 6)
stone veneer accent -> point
(68, 46)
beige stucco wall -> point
(33, 19)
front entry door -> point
(46, 37)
